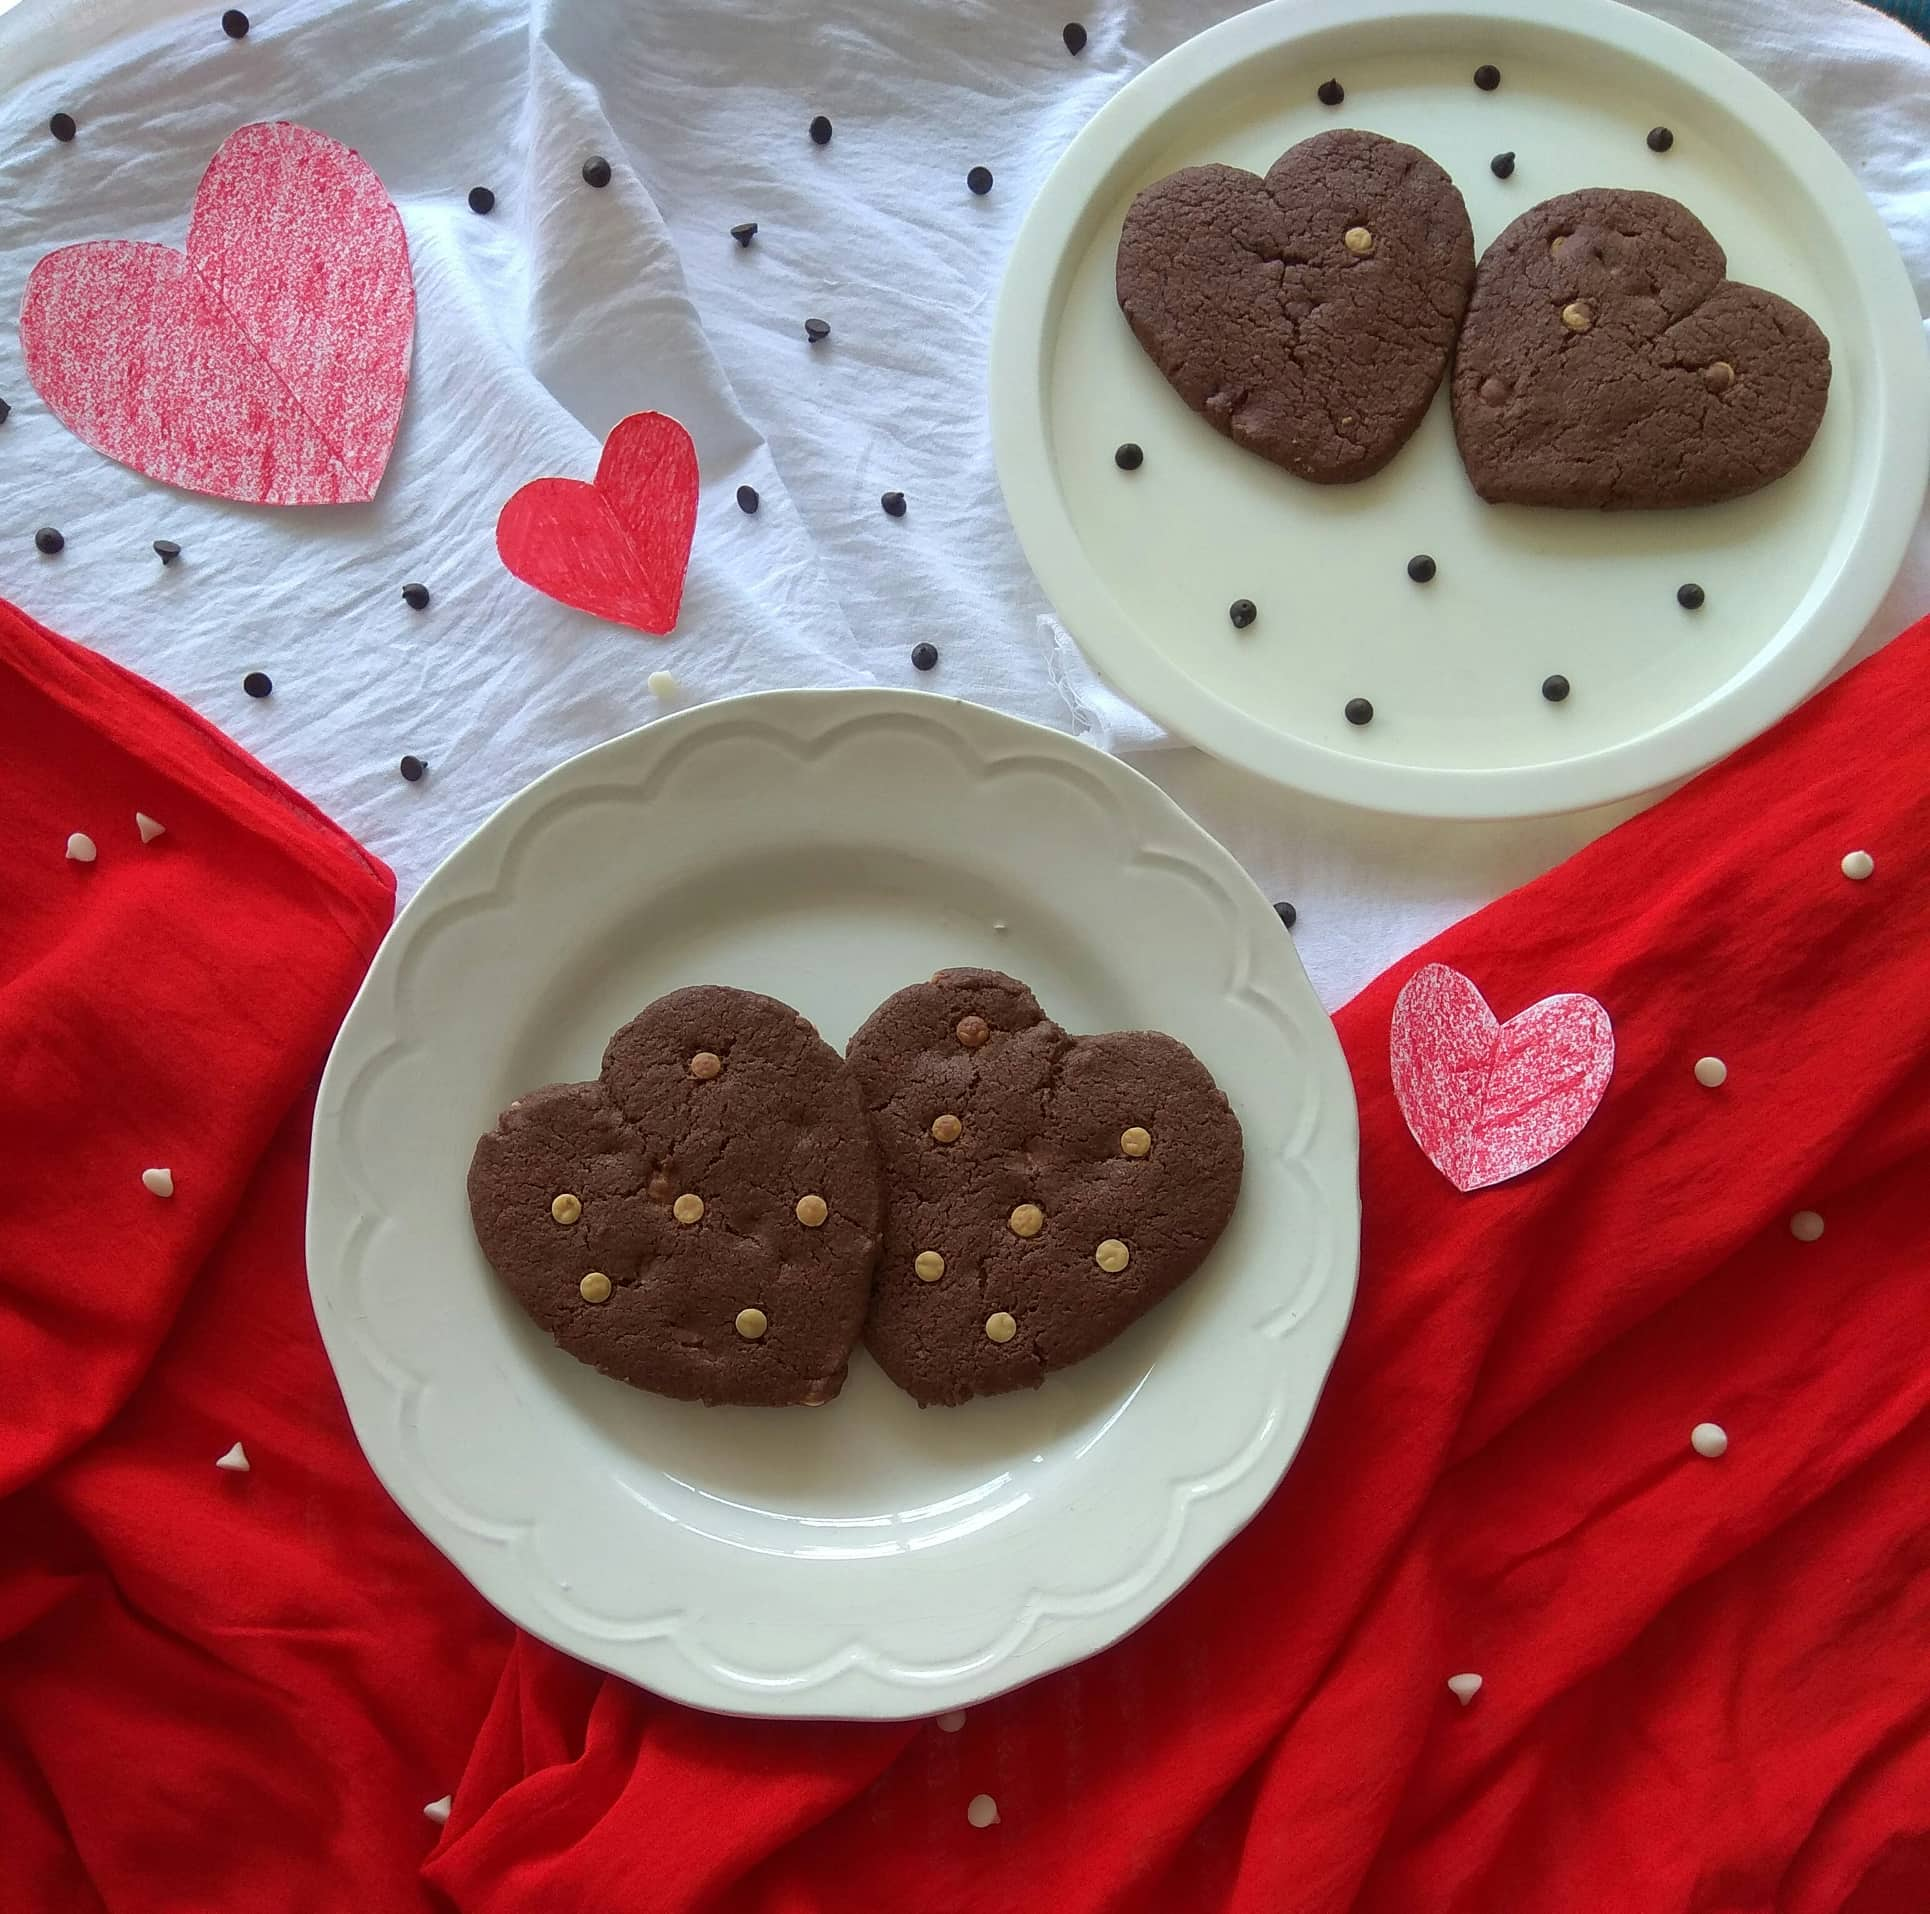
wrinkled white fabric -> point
(542, 324)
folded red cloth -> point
(1703, 1684)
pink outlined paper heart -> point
(1488, 1100)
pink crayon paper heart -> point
(267, 362)
(619, 546)
(1487, 1100)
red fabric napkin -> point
(1704, 1680)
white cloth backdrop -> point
(543, 324)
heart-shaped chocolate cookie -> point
(1607, 361)
(703, 1219)
(1042, 1191)
(1308, 315)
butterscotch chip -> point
(688, 1208)
(1027, 1220)
(706, 1064)
(1578, 315)
(972, 1031)
(751, 1323)
(1358, 241)
(595, 1287)
(1000, 1326)
(946, 1129)
(1135, 1142)
(812, 1210)
(566, 1208)
(929, 1265)
(1112, 1256)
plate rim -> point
(1205, 1521)
(1018, 367)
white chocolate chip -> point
(1858, 865)
(1135, 1142)
(235, 1461)
(595, 1287)
(812, 1210)
(752, 1323)
(946, 1128)
(80, 847)
(1027, 1220)
(1112, 1256)
(565, 1207)
(148, 828)
(1464, 1688)
(1000, 1326)
(158, 1182)
(951, 1723)
(688, 1208)
(1806, 1226)
(438, 1811)
(1711, 1072)
(1578, 315)
(663, 686)
(1709, 1439)
(1358, 241)
(929, 1265)
(982, 1811)
(705, 1065)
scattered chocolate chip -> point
(744, 232)
(62, 126)
(166, 550)
(924, 657)
(234, 23)
(1129, 458)
(416, 597)
(1242, 611)
(258, 684)
(1286, 913)
(1359, 711)
(412, 768)
(1502, 166)
(1074, 35)
(48, 540)
(820, 131)
(1554, 688)
(481, 200)
(816, 330)
(1420, 568)
(894, 504)
(1689, 597)
(1330, 93)
(1660, 139)
(596, 171)
(1487, 78)
(979, 179)
(5, 411)
(747, 498)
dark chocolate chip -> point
(416, 597)
(62, 126)
(821, 131)
(1554, 688)
(816, 330)
(894, 504)
(1330, 93)
(747, 498)
(596, 171)
(166, 550)
(1689, 597)
(258, 684)
(1074, 35)
(48, 540)
(412, 768)
(1242, 611)
(1286, 913)
(481, 200)
(5, 411)
(1359, 711)
(1129, 458)
(1502, 166)
(1420, 568)
(1660, 139)
(745, 232)
(979, 179)
(923, 657)
(234, 23)
(1487, 78)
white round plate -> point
(1141, 566)
(868, 1558)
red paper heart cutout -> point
(266, 363)
(618, 547)
(1486, 1100)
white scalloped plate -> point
(1142, 566)
(868, 1558)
